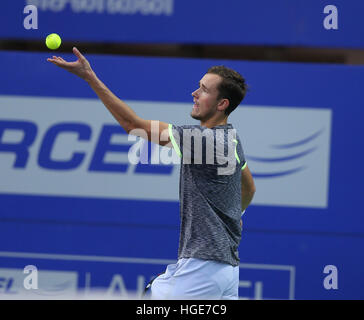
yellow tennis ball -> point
(53, 41)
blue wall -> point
(259, 22)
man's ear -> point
(223, 104)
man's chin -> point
(195, 116)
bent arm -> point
(247, 188)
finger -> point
(52, 61)
(78, 53)
(54, 58)
(57, 62)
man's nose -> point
(195, 93)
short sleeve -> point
(184, 139)
(239, 154)
(175, 135)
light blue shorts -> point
(197, 279)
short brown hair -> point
(232, 87)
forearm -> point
(126, 116)
(246, 199)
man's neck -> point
(213, 123)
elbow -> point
(136, 126)
(130, 127)
(251, 192)
(254, 189)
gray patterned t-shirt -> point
(210, 191)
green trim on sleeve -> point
(174, 144)
(237, 156)
(236, 153)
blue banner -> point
(84, 215)
(262, 22)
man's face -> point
(205, 97)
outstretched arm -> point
(126, 116)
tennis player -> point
(216, 185)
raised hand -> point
(80, 68)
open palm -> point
(81, 67)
